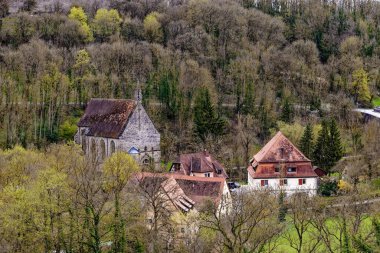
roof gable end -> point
(279, 148)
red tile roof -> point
(279, 148)
(280, 153)
(107, 117)
(262, 171)
(201, 162)
(197, 189)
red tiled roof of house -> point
(107, 117)
(279, 148)
(197, 189)
(263, 171)
(201, 162)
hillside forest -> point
(220, 75)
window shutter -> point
(300, 181)
(262, 182)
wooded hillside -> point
(259, 65)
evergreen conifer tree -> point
(4, 8)
(283, 209)
(206, 121)
(321, 154)
(336, 150)
(376, 230)
(346, 248)
(287, 111)
(249, 99)
(264, 121)
(306, 143)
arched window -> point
(113, 147)
(93, 148)
(102, 149)
(84, 144)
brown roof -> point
(319, 171)
(279, 148)
(268, 171)
(201, 162)
(193, 189)
(107, 117)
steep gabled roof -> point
(201, 162)
(185, 191)
(279, 148)
(107, 117)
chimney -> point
(205, 153)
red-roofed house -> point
(281, 166)
(173, 201)
(200, 164)
(186, 193)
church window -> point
(93, 149)
(102, 149)
(113, 147)
(84, 144)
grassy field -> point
(376, 101)
(283, 243)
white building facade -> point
(280, 166)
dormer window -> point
(292, 169)
(176, 167)
(277, 169)
(282, 152)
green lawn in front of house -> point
(309, 236)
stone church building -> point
(110, 125)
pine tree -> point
(321, 150)
(283, 210)
(206, 121)
(376, 230)
(306, 143)
(249, 99)
(169, 94)
(361, 245)
(264, 121)
(29, 5)
(4, 8)
(346, 248)
(287, 111)
(336, 150)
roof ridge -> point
(114, 99)
(184, 177)
(259, 156)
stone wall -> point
(139, 133)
